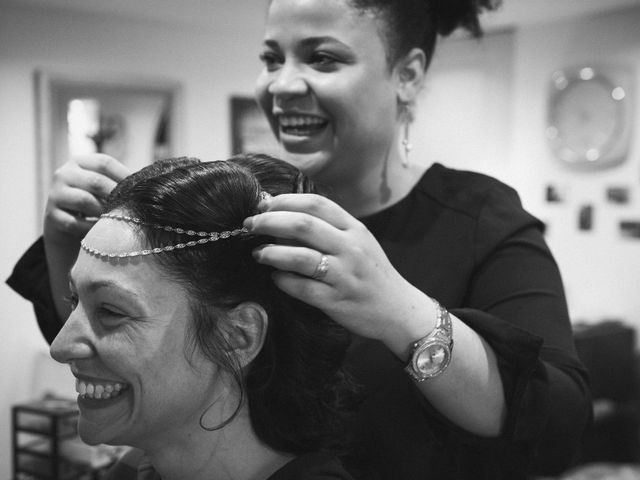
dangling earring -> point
(406, 143)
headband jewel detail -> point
(205, 237)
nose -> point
(288, 82)
(74, 339)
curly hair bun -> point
(453, 14)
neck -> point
(379, 187)
(234, 452)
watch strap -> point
(442, 334)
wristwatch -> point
(430, 356)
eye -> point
(109, 311)
(109, 316)
(72, 300)
(324, 61)
(270, 60)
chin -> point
(93, 434)
(90, 435)
(311, 164)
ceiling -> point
(207, 13)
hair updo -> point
(417, 23)
(297, 392)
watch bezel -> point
(420, 348)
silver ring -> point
(321, 269)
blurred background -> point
(547, 101)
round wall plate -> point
(589, 117)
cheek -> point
(349, 98)
(262, 94)
(265, 101)
(356, 114)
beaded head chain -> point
(205, 237)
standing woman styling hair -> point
(485, 383)
(491, 388)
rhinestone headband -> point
(205, 237)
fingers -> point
(306, 219)
(104, 165)
(295, 271)
(69, 224)
(310, 291)
(82, 183)
(75, 201)
(295, 228)
(78, 189)
(302, 261)
(311, 204)
(94, 183)
(96, 173)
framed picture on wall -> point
(250, 131)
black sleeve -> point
(30, 278)
(518, 306)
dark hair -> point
(295, 388)
(417, 23)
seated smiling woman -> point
(182, 346)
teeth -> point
(99, 391)
(300, 121)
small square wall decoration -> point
(618, 195)
(630, 229)
(585, 218)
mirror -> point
(590, 116)
(132, 120)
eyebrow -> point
(308, 42)
(96, 285)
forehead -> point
(136, 274)
(111, 235)
(321, 18)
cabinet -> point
(608, 351)
(39, 430)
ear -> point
(410, 72)
(246, 330)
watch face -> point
(587, 121)
(432, 359)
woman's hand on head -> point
(361, 290)
(77, 191)
(78, 188)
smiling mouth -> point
(301, 125)
(99, 390)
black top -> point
(312, 466)
(464, 239)
(316, 466)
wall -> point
(463, 116)
(601, 269)
(489, 97)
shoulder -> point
(489, 207)
(312, 466)
(468, 193)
